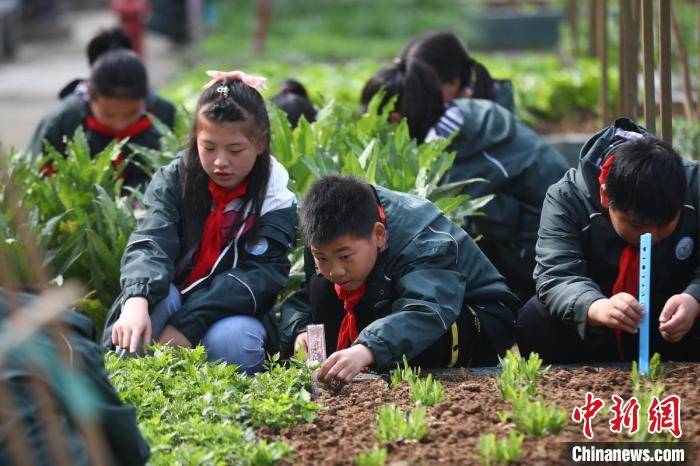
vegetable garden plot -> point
(458, 428)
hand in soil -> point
(302, 341)
(133, 325)
(345, 364)
(678, 316)
(622, 311)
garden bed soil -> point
(347, 424)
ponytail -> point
(482, 87)
(447, 56)
(419, 98)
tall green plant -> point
(372, 148)
(79, 213)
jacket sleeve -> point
(560, 273)
(693, 288)
(430, 296)
(296, 310)
(498, 219)
(148, 263)
(251, 288)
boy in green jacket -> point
(627, 183)
(393, 277)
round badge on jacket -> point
(256, 247)
(684, 248)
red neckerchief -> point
(628, 266)
(348, 327)
(140, 126)
(211, 244)
(143, 124)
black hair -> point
(293, 100)
(106, 40)
(241, 103)
(293, 86)
(646, 181)
(447, 56)
(119, 73)
(336, 206)
(419, 98)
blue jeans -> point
(238, 340)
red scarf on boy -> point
(628, 266)
(211, 243)
(348, 327)
(141, 125)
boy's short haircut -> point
(337, 206)
(119, 73)
(647, 181)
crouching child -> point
(586, 310)
(388, 275)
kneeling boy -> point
(393, 277)
(587, 274)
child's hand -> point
(133, 323)
(302, 341)
(173, 337)
(622, 311)
(345, 364)
(677, 317)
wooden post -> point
(622, 58)
(592, 20)
(633, 61)
(602, 43)
(682, 55)
(647, 15)
(572, 14)
(260, 37)
(665, 103)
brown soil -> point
(347, 425)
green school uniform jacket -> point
(578, 250)
(503, 93)
(70, 113)
(518, 165)
(246, 277)
(123, 441)
(426, 276)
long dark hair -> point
(419, 98)
(445, 53)
(242, 103)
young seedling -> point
(644, 388)
(656, 374)
(408, 374)
(502, 451)
(536, 417)
(374, 457)
(393, 424)
(519, 375)
(426, 392)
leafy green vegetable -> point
(195, 412)
(502, 451)
(394, 424)
(374, 457)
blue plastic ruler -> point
(644, 290)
